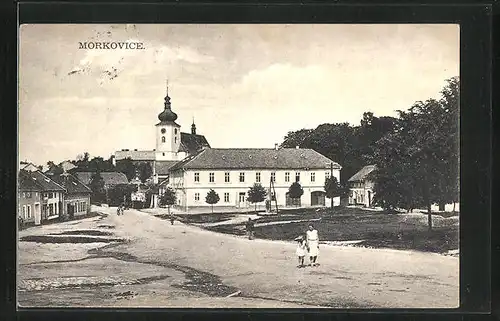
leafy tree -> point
(82, 162)
(256, 194)
(333, 188)
(212, 198)
(127, 167)
(97, 186)
(145, 171)
(418, 161)
(295, 191)
(121, 193)
(297, 138)
(168, 198)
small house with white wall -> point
(361, 187)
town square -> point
(188, 171)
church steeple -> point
(167, 114)
(193, 128)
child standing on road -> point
(301, 250)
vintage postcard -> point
(238, 166)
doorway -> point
(38, 215)
(318, 198)
(241, 200)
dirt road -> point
(185, 266)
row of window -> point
(242, 197)
(211, 177)
(163, 139)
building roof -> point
(27, 183)
(255, 158)
(163, 167)
(71, 183)
(36, 180)
(66, 166)
(362, 174)
(29, 167)
(136, 155)
(191, 143)
(110, 178)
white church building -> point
(187, 163)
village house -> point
(361, 187)
(40, 198)
(111, 179)
(76, 197)
(230, 172)
(172, 145)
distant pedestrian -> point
(250, 228)
(312, 244)
(301, 250)
(172, 219)
(119, 210)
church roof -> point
(191, 143)
(362, 174)
(255, 158)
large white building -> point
(231, 172)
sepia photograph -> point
(238, 166)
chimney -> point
(297, 147)
(276, 146)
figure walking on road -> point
(312, 244)
(250, 227)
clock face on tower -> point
(163, 130)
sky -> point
(244, 85)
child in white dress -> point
(301, 250)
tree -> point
(212, 198)
(256, 194)
(97, 187)
(145, 171)
(333, 188)
(295, 191)
(127, 167)
(121, 193)
(168, 198)
(417, 163)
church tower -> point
(168, 134)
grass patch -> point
(203, 218)
(376, 229)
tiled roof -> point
(191, 143)
(36, 178)
(361, 175)
(27, 183)
(163, 167)
(110, 178)
(71, 183)
(255, 158)
(135, 154)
